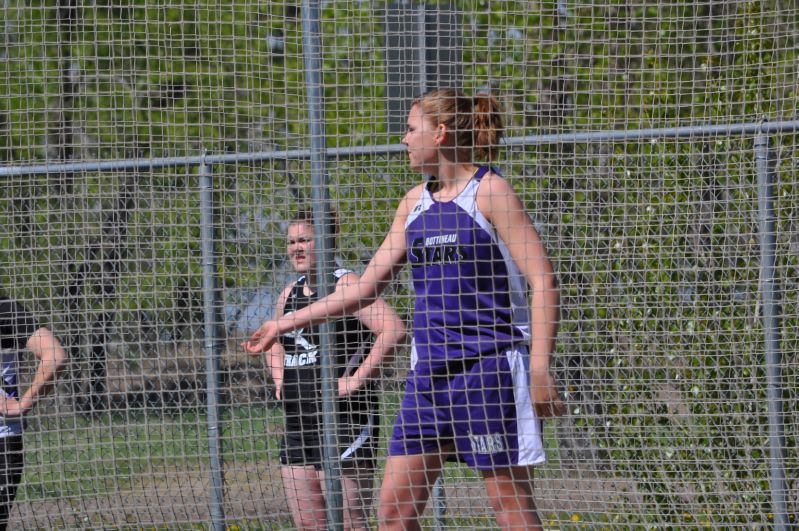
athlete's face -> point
(422, 140)
(301, 246)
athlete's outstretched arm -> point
(385, 264)
(500, 204)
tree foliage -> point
(656, 242)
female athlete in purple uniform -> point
(485, 321)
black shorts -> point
(12, 461)
(305, 449)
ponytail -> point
(487, 126)
(475, 121)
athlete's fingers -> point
(348, 385)
(260, 345)
(547, 401)
(11, 407)
(261, 340)
(255, 346)
(550, 406)
(252, 348)
(250, 344)
(555, 408)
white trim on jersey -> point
(520, 306)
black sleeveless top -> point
(302, 369)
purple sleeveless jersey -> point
(469, 384)
(470, 296)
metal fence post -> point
(439, 503)
(771, 328)
(211, 345)
(311, 29)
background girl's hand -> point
(348, 385)
(10, 407)
(262, 339)
(547, 401)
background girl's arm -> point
(389, 331)
(275, 356)
(52, 356)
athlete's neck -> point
(310, 282)
(453, 175)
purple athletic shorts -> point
(482, 405)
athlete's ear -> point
(441, 134)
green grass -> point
(71, 457)
(68, 457)
(74, 457)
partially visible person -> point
(485, 319)
(19, 333)
(363, 343)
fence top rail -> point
(789, 126)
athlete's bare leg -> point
(406, 488)
(305, 493)
(510, 492)
(356, 492)
(303, 489)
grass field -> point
(128, 460)
(78, 453)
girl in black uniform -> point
(20, 334)
(362, 344)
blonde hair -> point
(475, 120)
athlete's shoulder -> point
(285, 295)
(494, 182)
(344, 275)
(410, 199)
(495, 187)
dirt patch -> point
(254, 498)
(165, 498)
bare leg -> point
(303, 488)
(356, 489)
(406, 488)
(510, 491)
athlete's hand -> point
(347, 385)
(10, 407)
(263, 338)
(547, 401)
